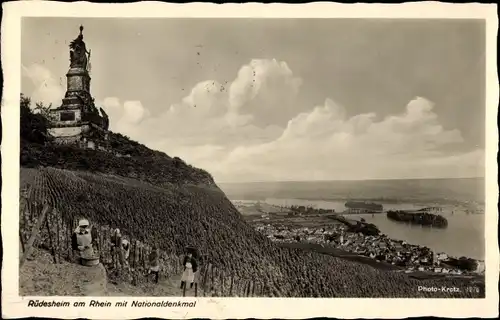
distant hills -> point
(388, 191)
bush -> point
(33, 126)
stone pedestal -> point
(78, 88)
(78, 79)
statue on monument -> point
(79, 56)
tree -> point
(44, 110)
(33, 126)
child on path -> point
(190, 268)
(154, 263)
(125, 252)
(116, 243)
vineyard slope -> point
(175, 215)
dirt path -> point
(94, 281)
(166, 287)
(39, 276)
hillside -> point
(153, 167)
(176, 216)
(124, 157)
(161, 200)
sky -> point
(281, 99)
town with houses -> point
(328, 231)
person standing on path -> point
(125, 252)
(154, 263)
(341, 236)
(116, 244)
(84, 240)
(190, 268)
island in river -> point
(345, 236)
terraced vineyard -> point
(174, 216)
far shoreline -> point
(409, 201)
(349, 180)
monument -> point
(77, 120)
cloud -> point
(252, 129)
(46, 87)
(125, 116)
(265, 89)
(207, 99)
(214, 113)
(324, 144)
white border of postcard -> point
(16, 306)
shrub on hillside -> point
(125, 157)
(33, 126)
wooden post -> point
(101, 243)
(204, 281)
(51, 242)
(137, 254)
(70, 244)
(140, 255)
(64, 239)
(24, 205)
(21, 239)
(112, 248)
(223, 283)
(34, 234)
(212, 279)
(133, 245)
(71, 229)
(58, 235)
(247, 291)
(241, 287)
(231, 286)
(144, 255)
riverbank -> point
(380, 250)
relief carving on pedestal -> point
(75, 83)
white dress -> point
(188, 274)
